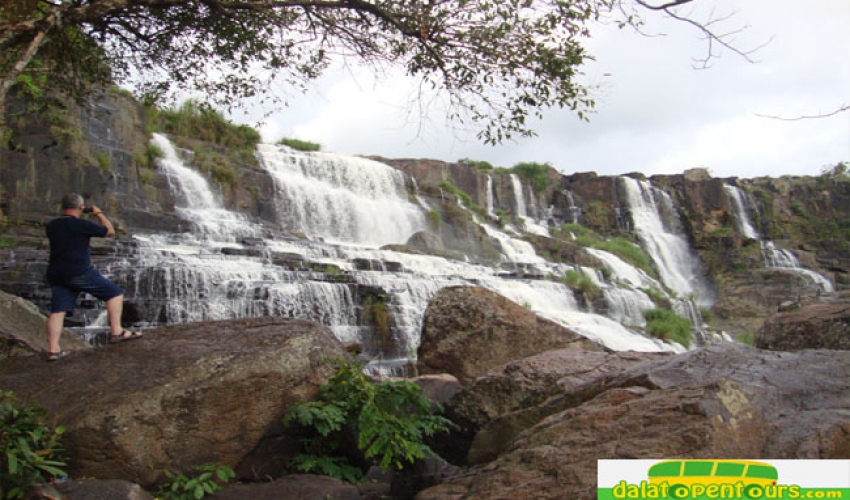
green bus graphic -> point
(688, 472)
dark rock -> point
(95, 489)
(812, 326)
(493, 409)
(724, 401)
(468, 331)
(180, 396)
(292, 487)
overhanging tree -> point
(498, 61)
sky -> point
(655, 112)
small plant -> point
(224, 174)
(378, 314)
(479, 166)
(30, 448)
(208, 480)
(667, 325)
(434, 218)
(747, 338)
(155, 152)
(300, 145)
(7, 242)
(104, 161)
(582, 283)
(451, 188)
(390, 420)
(535, 173)
(707, 315)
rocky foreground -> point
(530, 427)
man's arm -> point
(101, 218)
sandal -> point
(124, 336)
(55, 356)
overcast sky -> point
(655, 114)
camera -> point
(88, 210)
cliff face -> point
(102, 150)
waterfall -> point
(346, 209)
(742, 219)
(778, 258)
(489, 198)
(341, 198)
(657, 225)
(575, 211)
(519, 197)
(196, 201)
(774, 257)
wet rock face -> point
(823, 325)
(180, 396)
(724, 401)
(468, 330)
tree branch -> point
(665, 6)
(834, 112)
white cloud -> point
(655, 113)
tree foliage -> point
(29, 447)
(499, 62)
(389, 419)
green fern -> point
(391, 421)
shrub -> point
(200, 121)
(667, 325)
(209, 479)
(621, 247)
(629, 252)
(582, 283)
(224, 174)
(479, 166)
(451, 188)
(30, 447)
(390, 419)
(535, 173)
(299, 144)
(104, 161)
(378, 314)
(435, 218)
(747, 338)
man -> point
(70, 272)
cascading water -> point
(197, 203)
(778, 258)
(489, 198)
(742, 219)
(657, 225)
(774, 257)
(575, 211)
(342, 199)
(331, 199)
(519, 196)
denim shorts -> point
(92, 282)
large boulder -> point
(723, 401)
(494, 408)
(23, 329)
(813, 326)
(468, 331)
(181, 396)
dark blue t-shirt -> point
(69, 246)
